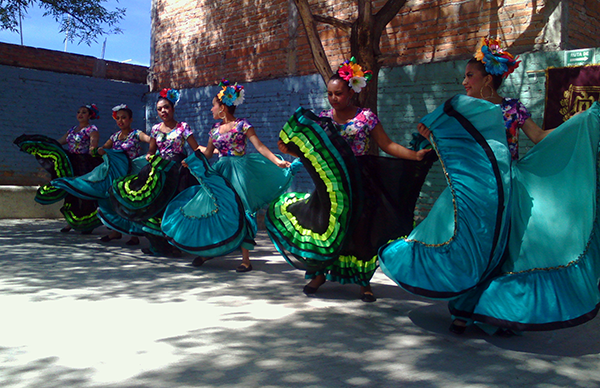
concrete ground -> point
(78, 313)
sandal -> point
(148, 251)
(108, 238)
(309, 290)
(458, 328)
(133, 241)
(367, 297)
(199, 260)
(243, 268)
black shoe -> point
(66, 229)
(198, 261)
(87, 231)
(368, 298)
(309, 290)
(243, 268)
(147, 251)
(457, 329)
(506, 333)
(107, 238)
(131, 241)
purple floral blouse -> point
(357, 131)
(131, 144)
(515, 115)
(232, 142)
(172, 143)
(78, 141)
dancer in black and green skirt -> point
(79, 158)
(360, 201)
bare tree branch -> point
(337, 23)
(319, 57)
(384, 16)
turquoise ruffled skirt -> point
(534, 265)
(216, 216)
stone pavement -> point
(78, 313)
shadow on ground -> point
(78, 313)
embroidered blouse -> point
(232, 142)
(78, 141)
(172, 143)
(515, 115)
(357, 131)
(131, 144)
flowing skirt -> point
(216, 216)
(79, 213)
(359, 203)
(548, 275)
(462, 240)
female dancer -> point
(126, 140)
(358, 127)
(506, 279)
(142, 198)
(257, 181)
(483, 84)
(82, 141)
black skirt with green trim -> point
(358, 204)
(80, 214)
(140, 197)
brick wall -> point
(583, 16)
(60, 62)
(195, 43)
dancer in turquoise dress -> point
(360, 201)
(143, 197)
(513, 246)
(81, 141)
(257, 179)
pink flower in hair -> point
(345, 72)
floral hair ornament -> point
(231, 94)
(94, 111)
(116, 109)
(495, 60)
(355, 75)
(171, 95)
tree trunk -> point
(361, 46)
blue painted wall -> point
(43, 102)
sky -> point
(132, 46)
